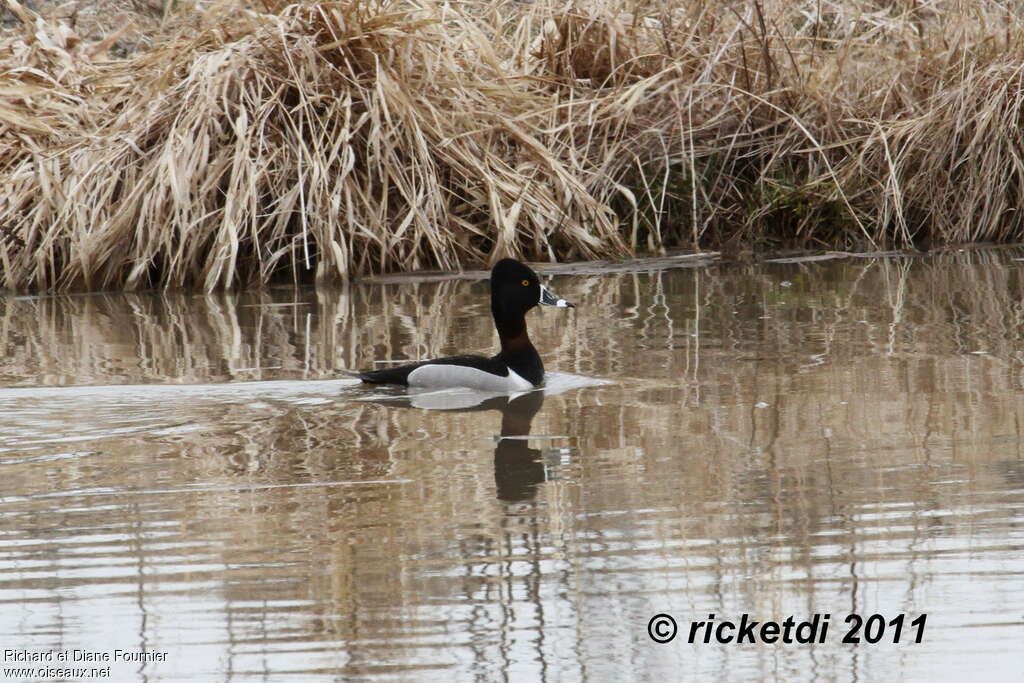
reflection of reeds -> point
(679, 340)
(637, 324)
(331, 139)
(826, 410)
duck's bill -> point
(549, 299)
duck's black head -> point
(515, 289)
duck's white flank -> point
(441, 376)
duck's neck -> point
(516, 349)
(511, 331)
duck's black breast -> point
(526, 363)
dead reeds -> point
(329, 139)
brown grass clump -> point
(329, 139)
(335, 137)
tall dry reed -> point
(331, 139)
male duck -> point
(515, 289)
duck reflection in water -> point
(518, 468)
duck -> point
(517, 367)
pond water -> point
(189, 476)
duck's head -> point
(515, 289)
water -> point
(186, 475)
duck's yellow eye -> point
(526, 283)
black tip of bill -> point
(549, 299)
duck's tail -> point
(398, 375)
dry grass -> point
(329, 139)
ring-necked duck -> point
(515, 289)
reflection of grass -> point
(327, 139)
(769, 425)
(947, 303)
